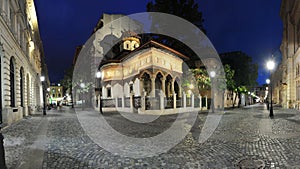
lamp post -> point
(42, 78)
(212, 74)
(268, 99)
(271, 66)
(98, 76)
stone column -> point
(162, 97)
(143, 100)
(131, 102)
(99, 99)
(116, 102)
(200, 101)
(163, 86)
(123, 102)
(153, 86)
(193, 101)
(174, 101)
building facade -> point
(22, 60)
(147, 79)
(286, 79)
(56, 95)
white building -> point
(22, 60)
(146, 78)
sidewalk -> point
(25, 142)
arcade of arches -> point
(161, 82)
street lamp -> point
(212, 74)
(270, 67)
(42, 78)
(267, 88)
(98, 76)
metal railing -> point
(108, 103)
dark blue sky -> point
(252, 26)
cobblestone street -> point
(247, 135)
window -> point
(131, 88)
(12, 83)
(59, 95)
(108, 91)
(53, 95)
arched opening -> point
(177, 88)
(168, 86)
(158, 84)
(22, 86)
(12, 83)
(146, 83)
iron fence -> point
(137, 102)
(152, 103)
(196, 102)
(169, 103)
(179, 102)
(108, 103)
(119, 102)
(127, 101)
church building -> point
(144, 77)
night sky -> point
(252, 26)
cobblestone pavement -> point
(243, 136)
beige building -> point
(286, 79)
(22, 60)
(147, 78)
(56, 94)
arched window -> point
(12, 83)
(22, 86)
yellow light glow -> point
(31, 46)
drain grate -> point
(250, 163)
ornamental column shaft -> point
(153, 87)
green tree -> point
(197, 78)
(230, 83)
(245, 71)
(229, 75)
(202, 79)
(66, 82)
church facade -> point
(137, 75)
(145, 80)
(22, 60)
